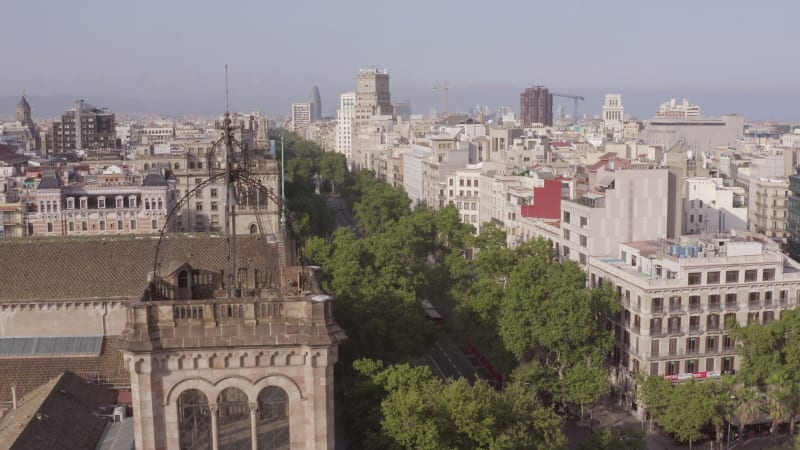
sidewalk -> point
(608, 414)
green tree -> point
(381, 206)
(333, 168)
(771, 363)
(424, 412)
(627, 438)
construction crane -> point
(574, 98)
(446, 88)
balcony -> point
(675, 308)
(675, 330)
(657, 310)
(716, 306)
(695, 329)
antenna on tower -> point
(227, 107)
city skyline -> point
(677, 50)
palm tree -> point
(747, 405)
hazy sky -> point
(732, 54)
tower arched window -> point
(234, 420)
(183, 279)
(253, 229)
(194, 420)
(273, 419)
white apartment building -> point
(463, 191)
(711, 207)
(425, 170)
(613, 113)
(150, 135)
(769, 207)
(635, 208)
(345, 116)
(301, 115)
(501, 200)
(677, 298)
(674, 109)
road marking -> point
(437, 367)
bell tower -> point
(238, 354)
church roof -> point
(58, 415)
(88, 268)
(23, 104)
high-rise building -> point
(536, 106)
(316, 105)
(344, 124)
(613, 112)
(301, 115)
(372, 94)
(84, 127)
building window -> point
(132, 201)
(654, 369)
(694, 303)
(71, 226)
(234, 419)
(727, 364)
(753, 300)
(49, 227)
(712, 278)
(85, 226)
(732, 276)
(154, 224)
(213, 192)
(84, 202)
(752, 317)
(583, 241)
(584, 221)
(194, 420)
(750, 276)
(711, 344)
(101, 202)
(566, 234)
(691, 365)
(768, 275)
(215, 221)
(272, 428)
(120, 202)
(714, 302)
(198, 206)
(133, 224)
(694, 278)
(672, 367)
(657, 305)
(566, 216)
(102, 225)
(120, 225)
(730, 301)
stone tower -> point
(236, 353)
(24, 111)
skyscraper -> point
(536, 106)
(316, 104)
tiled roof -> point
(61, 269)
(28, 373)
(58, 415)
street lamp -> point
(730, 417)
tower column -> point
(214, 431)
(253, 424)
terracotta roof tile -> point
(60, 269)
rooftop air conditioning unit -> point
(119, 413)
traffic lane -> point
(449, 361)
